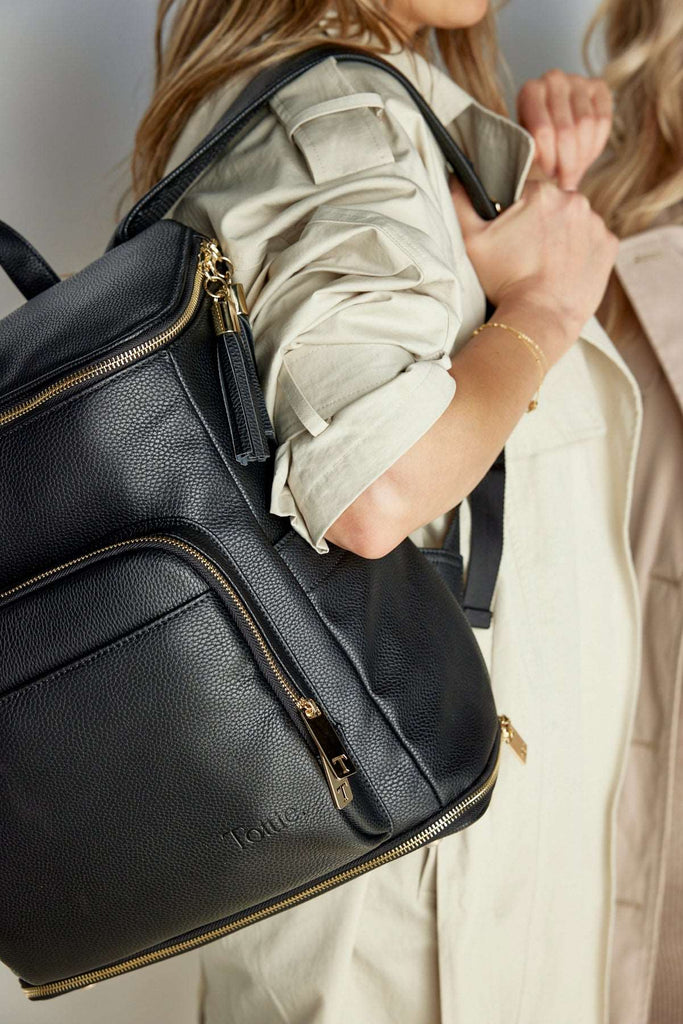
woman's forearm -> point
(544, 262)
(496, 377)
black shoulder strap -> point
(23, 264)
(487, 499)
(251, 102)
(487, 506)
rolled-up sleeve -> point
(337, 217)
(354, 329)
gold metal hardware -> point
(512, 738)
(424, 836)
(337, 764)
(227, 295)
(239, 297)
(224, 317)
(339, 788)
(117, 362)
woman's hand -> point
(548, 257)
(570, 118)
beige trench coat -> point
(647, 972)
(336, 212)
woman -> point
(365, 289)
(638, 188)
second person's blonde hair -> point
(640, 177)
(639, 180)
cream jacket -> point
(647, 973)
(336, 213)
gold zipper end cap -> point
(512, 738)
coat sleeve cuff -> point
(317, 477)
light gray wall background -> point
(74, 80)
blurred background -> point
(75, 76)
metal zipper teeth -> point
(117, 362)
(426, 835)
(301, 703)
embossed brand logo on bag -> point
(266, 829)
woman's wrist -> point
(552, 329)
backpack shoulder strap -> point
(251, 102)
(487, 510)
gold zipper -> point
(426, 835)
(337, 765)
(123, 359)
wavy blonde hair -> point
(639, 180)
(201, 44)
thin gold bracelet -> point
(535, 349)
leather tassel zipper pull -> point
(248, 420)
(247, 337)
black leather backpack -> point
(202, 721)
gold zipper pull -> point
(227, 295)
(512, 737)
(337, 764)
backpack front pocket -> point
(157, 769)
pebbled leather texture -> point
(124, 296)
(147, 744)
(157, 797)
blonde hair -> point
(208, 42)
(639, 180)
(641, 175)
